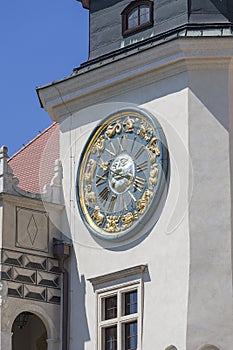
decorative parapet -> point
(7, 179)
(9, 183)
(53, 193)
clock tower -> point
(145, 145)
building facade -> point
(128, 245)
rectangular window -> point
(131, 302)
(144, 14)
(133, 19)
(110, 338)
(110, 307)
(131, 333)
(118, 318)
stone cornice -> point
(132, 271)
(101, 81)
(33, 203)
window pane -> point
(131, 302)
(110, 338)
(131, 339)
(133, 19)
(144, 14)
(110, 307)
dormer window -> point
(136, 16)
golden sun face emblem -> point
(122, 173)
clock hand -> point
(127, 176)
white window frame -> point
(121, 319)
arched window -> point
(136, 16)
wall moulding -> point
(64, 97)
(30, 203)
(135, 270)
(32, 229)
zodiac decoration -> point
(144, 201)
(154, 148)
(128, 124)
(89, 196)
(145, 132)
(98, 216)
(112, 223)
(128, 219)
(91, 168)
(113, 129)
(99, 146)
(154, 172)
(119, 182)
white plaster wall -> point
(165, 249)
(210, 295)
(188, 300)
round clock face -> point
(122, 173)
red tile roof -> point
(33, 164)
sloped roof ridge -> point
(33, 140)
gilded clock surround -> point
(122, 173)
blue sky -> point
(41, 41)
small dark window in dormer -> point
(136, 16)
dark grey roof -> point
(169, 16)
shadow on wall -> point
(214, 98)
(212, 7)
(78, 333)
(79, 325)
